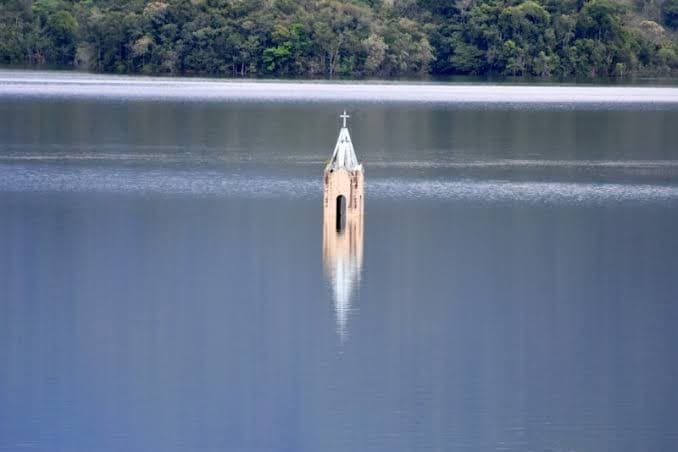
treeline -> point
(335, 38)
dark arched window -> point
(341, 212)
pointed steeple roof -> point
(344, 154)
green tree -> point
(670, 13)
(599, 20)
(340, 38)
(407, 49)
(338, 29)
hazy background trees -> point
(334, 38)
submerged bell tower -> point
(343, 182)
(343, 200)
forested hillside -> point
(339, 39)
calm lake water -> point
(164, 285)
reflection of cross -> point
(344, 117)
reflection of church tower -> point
(343, 224)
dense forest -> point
(344, 38)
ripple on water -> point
(47, 178)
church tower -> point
(343, 226)
(343, 182)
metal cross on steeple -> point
(344, 117)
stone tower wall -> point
(343, 250)
(351, 184)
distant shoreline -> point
(630, 80)
(65, 84)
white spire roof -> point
(344, 154)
